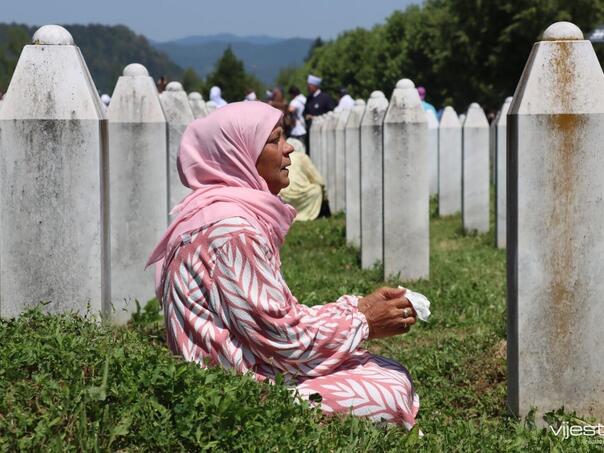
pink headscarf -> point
(217, 160)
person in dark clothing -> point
(317, 102)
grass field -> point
(68, 384)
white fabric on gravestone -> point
(449, 163)
(198, 105)
(556, 230)
(341, 159)
(138, 187)
(475, 171)
(501, 175)
(372, 213)
(54, 195)
(406, 186)
(432, 143)
(179, 115)
(353, 174)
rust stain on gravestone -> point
(562, 258)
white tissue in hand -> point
(420, 303)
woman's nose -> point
(288, 149)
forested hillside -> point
(107, 49)
(462, 51)
(262, 56)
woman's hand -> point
(388, 312)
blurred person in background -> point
(346, 102)
(216, 97)
(306, 190)
(426, 105)
(161, 84)
(296, 112)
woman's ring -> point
(407, 312)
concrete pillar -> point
(54, 194)
(501, 175)
(556, 229)
(475, 171)
(198, 106)
(340, 131)
(449, 163)
(406, 186)
(372, 213)
(178, 113)
(353, 173)
(138, 184)
(432, 143)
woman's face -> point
(274, 159)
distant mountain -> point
(261, 40)
(108, 49)
(263, 56)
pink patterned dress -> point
(226, 304)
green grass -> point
(69, 384)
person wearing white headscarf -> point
(346, 101)
(105, 101)
(216, 97)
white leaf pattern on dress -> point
(225, 300)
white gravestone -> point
(179, 115)
(501, 175)
(432, 151)
(211, 106)
(475, 171)
(556, 229)
(54, 194)
(449, 163)
(406, 186)
(340, 130)
(315, 143)
(353, 174)
(493, 147)
(329, 135)
(372, 214)
(197, 105)
(138, 183)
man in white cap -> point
(317, 102)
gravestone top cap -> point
(135, 70)
(52, 35)
(377, 94)
(195, 96)
(474, 105)
(405, 84)
(174, 86)
(563, 31)
(508, 99)
(359, 102)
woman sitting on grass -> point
(225, 300)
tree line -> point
(462, 51)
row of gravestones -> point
(86, 192)
(59, 169)
(355, 173)
(548, 157)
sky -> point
(167, 20)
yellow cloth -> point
(305, 190)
